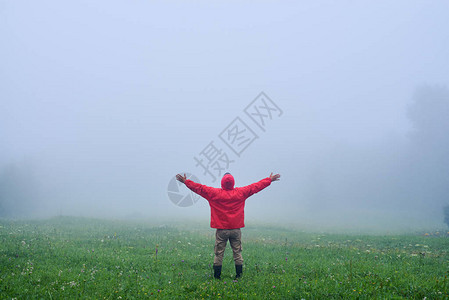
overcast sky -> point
(105, 101)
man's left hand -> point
(181, 178)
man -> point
(227, 214)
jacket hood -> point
(227, 182)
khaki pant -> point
(235, 239)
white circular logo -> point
(181, 195)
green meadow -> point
(72, 258)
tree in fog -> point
(18, 190)
(446, 215)
(428, 161)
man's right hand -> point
(181, 178)
(274, 177)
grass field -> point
(87, 258)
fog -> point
(102, 103)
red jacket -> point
(227, 204)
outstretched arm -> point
(256, 187)
(203, 190)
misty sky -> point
(103, 102)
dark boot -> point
(217, 272)
(238, 271)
